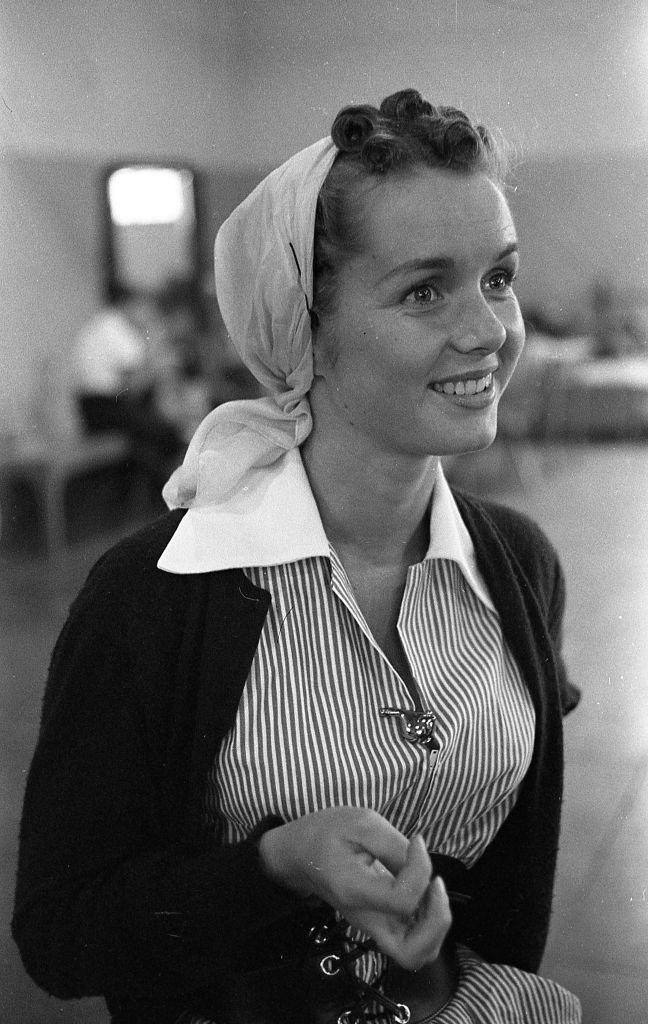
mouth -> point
(470, 386)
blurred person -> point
(121, 361)
(179, 309)
(207, 370)
(183, 396)
(300, 758)
(619, 325)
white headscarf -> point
(264, 286)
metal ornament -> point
(416, 727)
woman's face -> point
(426, 330)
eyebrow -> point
(439, 262)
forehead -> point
(436, 213)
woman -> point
(300, 756)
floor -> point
(593, 503)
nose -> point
(478, 326)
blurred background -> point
(128, 131)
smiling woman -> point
(426, 330)
(301, 752)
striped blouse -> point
(309, 734)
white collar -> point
(285, 526)
(449, 538)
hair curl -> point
(404, 133)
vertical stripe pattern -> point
(498, 994)
(309, 735)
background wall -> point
(234, 88)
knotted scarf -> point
(264, 285)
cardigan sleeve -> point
(108, 902)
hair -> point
(404, 134)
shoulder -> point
(126, 583)
(137, 555)
(519, 530)
(125, 587)
(503, 535)
(499, 529)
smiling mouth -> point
(464, 387)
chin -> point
(477, 442)
(484, 443)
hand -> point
(380, 881)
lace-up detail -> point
(336, 953)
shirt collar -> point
(449, 538)
(285, 526)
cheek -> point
(365, 382)
(519, 341)
(516, 337)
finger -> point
(413, 880)
(373, 888)
(424, 935)
(433, 909)
(414, 943)
(383, 841)
(377, 868)
(417, 941)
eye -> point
(422, 295)
(499, 280)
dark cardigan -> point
(120, 893)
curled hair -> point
(403, 134)
(407, 130)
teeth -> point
(464, 387)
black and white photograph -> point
(324, 512)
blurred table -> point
(48, 465)
(600, 398)
(527, 406)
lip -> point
(480, 400)
(468, 375)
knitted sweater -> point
(121, 893)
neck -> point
(373, 505)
